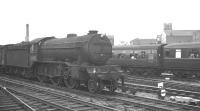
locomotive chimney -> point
(92, 32)
(27, 33)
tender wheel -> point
(92, 86)
(71, 83)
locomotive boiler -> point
(92, 48)
(71, 61)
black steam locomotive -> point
(72, 61)
(180, 59)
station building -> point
(180, 36)
(138, 41)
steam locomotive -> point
(72, 61)
(180, 59)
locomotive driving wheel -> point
(71, 83)
(112, 89)
(113, 86)
(56, 81)
(93, 86)
(41, 78)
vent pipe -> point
(27, 33)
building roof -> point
(146, 40)
(182, 32)
(147, 46)
(138, 41)
(184, 45)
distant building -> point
(159, 39)
(179, 36)
(111, 37)
(138, 41)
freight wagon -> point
(180, 59)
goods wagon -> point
(180, 59)
(138, 59)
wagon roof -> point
(41, 39)
(184, 45)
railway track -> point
(40, 100)
(173, 88)
(10, 102)
(130, 102)
(160, 104)
(189, 86)
(44, 99)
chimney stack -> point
(27, 33)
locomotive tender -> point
(180, 59)
(71, 61)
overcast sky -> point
(125, 19)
